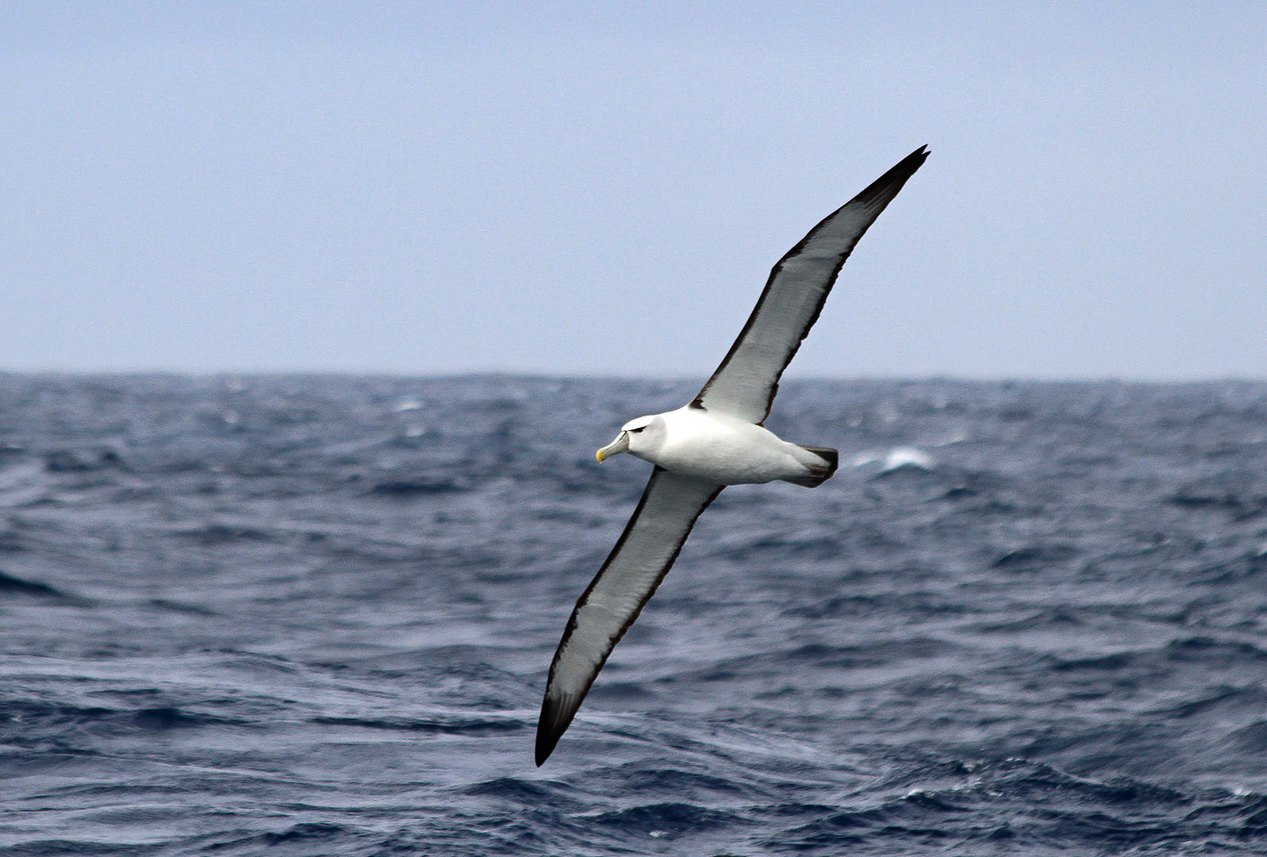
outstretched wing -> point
(642, 556)
(745, 383)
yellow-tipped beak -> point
(617, 446)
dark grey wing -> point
(639, 561)
(745, 383)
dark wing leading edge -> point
(747, 379)
(642, 556)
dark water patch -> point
(1221, 500)
(778, 547)
(19, 712)
(14, 586)
(179, 607)
(676, 783)
(1220, 702)
(913, 768)
(523, 791)
(1115, 662)
(216, 533)
(1058, 618)
(1035, 807)
(558, 804)
(1253, 820)
(1239, 817)
(1239, 569)
(842, 606)
(167, 717)
(11, 542)
(1044, 784)
(308, 834)
(74, 848)
(1016, 414)
(918, 820)
(304, 838)
(624, 692)
(404, 489)
(1032, 557)
(1212, 651)
(1240, 493)
(446, 726)
(1252, 738)
(31, 723)
(665, 819)
(82, 460)
(782, 659)
(1101, 830)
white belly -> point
(724, 449)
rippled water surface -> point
(313, 615)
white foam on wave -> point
(907, 456)
(895, 458)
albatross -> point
(715, 440)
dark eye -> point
(638, 429)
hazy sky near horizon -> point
(601, 189)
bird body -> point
(718, 448)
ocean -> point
(313, 615)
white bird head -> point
(638, 436)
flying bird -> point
(715, 440)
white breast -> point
(721, 449)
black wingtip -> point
(921, 154)
(545, 745)
(880, 192)
(912, 162)
(556, 717)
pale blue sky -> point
(602, 188)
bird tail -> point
(819, 471)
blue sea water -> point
(313, 616)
